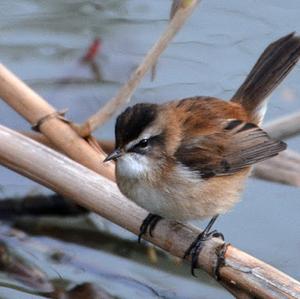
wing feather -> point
(237, 145)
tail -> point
(272, 67)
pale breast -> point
(182, 195)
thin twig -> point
(174, 7)
(125, 92)
(102, 196)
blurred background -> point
(46, 44)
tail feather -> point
(272, 67)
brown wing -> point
(236, 146)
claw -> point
(220, 252)
(153, 224)
(197, 245)
(148, 224)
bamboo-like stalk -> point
(125, 92)
(284, 127)
(34, 108)
(102, 196)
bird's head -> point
(140, 134)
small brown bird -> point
(189, 159)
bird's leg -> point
(148, 224)
(196, 247)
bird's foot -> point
(196, 247)
(148, 225)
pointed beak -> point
(113, 155)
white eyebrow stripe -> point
(135, 141)
(146, 134)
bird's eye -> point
(143, 143)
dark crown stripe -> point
(132, 122)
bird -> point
(189, 159)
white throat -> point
(133, 165)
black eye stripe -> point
(144, 143)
